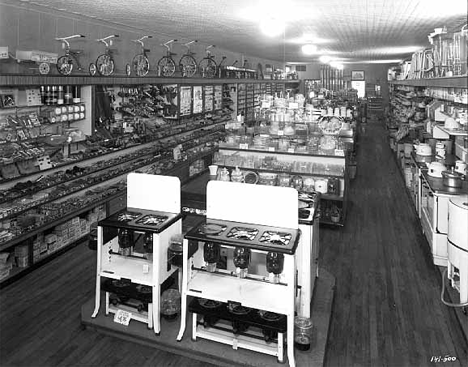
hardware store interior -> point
(233, 183)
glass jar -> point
(302, 333)
(170, 304)
(211, 255)
(275, 262)
(125, 238)
(284, 180)
(241, 260)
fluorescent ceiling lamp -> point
(393, 61)
(309, 49)
(325, 59)
(336, 65)
(396, 50)
(311, 39)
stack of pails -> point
(457, 245)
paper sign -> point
(4, 52)
(293, 105)
(271, 149)
(122, 317)
(244, 146)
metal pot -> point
(452, 178)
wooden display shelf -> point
(291, 173)
(16, 273)
(446, 82)
(83, 79)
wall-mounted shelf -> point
(447, 82)
(28, 80)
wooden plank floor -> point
(387, 308)
(387, 302)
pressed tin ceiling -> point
(352, 31)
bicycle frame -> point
(208, 67)
(187, 63)
(140, 62)
(166, 64)
(105, 63)
(65, 62)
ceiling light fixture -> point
(272, 27)
(309, 49)
(325, 59)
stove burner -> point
(276, 238)
(120, 283)
(238, 309)
(152, 219)
(208, 303)
(144, 289)
(127, 216)
(212, 229)
(270, 316)
(243, 233)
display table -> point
(215, 353)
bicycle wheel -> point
(188, 66)
(105, 65)
(166, 66)
(208, 67)
(140, 65)
(65, 65)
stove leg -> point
(156, 306)
(281, 347)
(290, 336)
(107, 303)
(194, 326)
(97, 300)
(186, 269)
(150, 315)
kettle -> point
(435, 169)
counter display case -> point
(286, 161)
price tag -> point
(280, 132)
(339, 152)
(4, 52)
(265, 104)
(290, 150)
(244, 146)
(122, 317)
(293, 105)
(271, 149)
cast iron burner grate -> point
(270, 316)
(239, 309)
(121, 283)
(127, 216)
(143, 289)
(276, 238)
(243, 233)
(212, 229)
(208, 303)
(152, 220)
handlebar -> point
(207, 49)
(168, 43)
(140, 40)
(189, 43)
(103, 40)
(64, 40)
